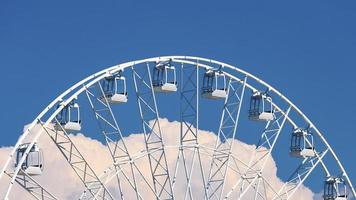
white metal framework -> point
(188, 78)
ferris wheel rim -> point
(79, 86)
(251, 87)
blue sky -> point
(306, 49)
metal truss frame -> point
(261, 155)
(252, 178)
(299, 176)
(33, 187)
(152, 133)
(189, 126)
(78, 163)
(109, 127)
(227, 130)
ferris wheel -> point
(196, 169)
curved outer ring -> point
(101, 74)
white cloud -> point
(60, 179)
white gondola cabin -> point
(335, 189)
(214, 85)
(261, 107)
(302, 144)
(33, 164)
(164, 77)
(114, 88)
(69, 118)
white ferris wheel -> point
(197, 170)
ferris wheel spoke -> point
(106, 177)
(110, 173)
(34, 188)
(152, 133)
(77, 161)
(115, 169)
(258, 193)
(189, 171)
(299, 176)
(189, 114)
(109, 127)
(267, 184)
(227, 130)
(265, 147)
(261, 154)
(266, 187)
